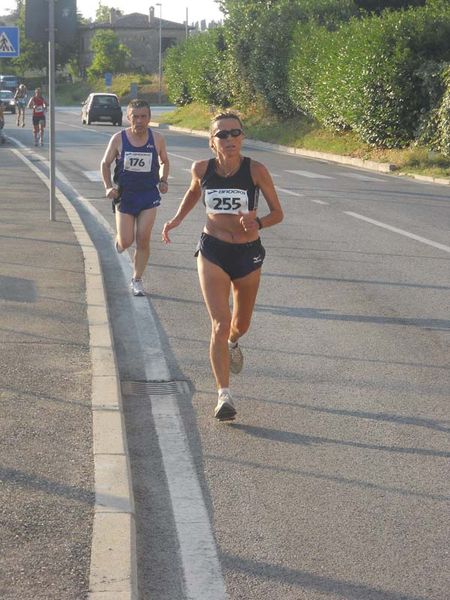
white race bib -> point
(140, 162)
(223, 201)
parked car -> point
(101, 107)
(7, 100)
(9, 82)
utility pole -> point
(52, 95)
(160, 52)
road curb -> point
(113, 571)
(113, 566)
(337, 158)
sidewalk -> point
(64, 471)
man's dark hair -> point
(138, 103)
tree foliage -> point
(368, 75)
(103, 12)
(110, 55)
(373, 66)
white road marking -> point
(361, 177)
(93, 175)
(321, 202)
(413, 236)
(181, 156)
(201, 566)
(309, 174)
(289, 192)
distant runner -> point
(20, 97)
(39, 106)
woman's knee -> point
(221, 329)
(240, 326)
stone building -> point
(140, 33)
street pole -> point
(51, 91)
(187, 26)
(160, 52)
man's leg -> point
(125, 229)
(144, 226)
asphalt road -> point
(333, 481)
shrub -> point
(366, 76)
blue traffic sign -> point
(9, 42)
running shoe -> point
(225, 410)
(236, 359)
(137, 287)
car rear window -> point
(105, 101)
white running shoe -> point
(137, 287)
(225, 410)
(236, 359)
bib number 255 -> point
(227, 203)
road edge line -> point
(113, 565)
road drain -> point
(154, 388)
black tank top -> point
(229, 195)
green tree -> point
(377, 6)
(110, 55)
(103, 12)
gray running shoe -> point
(137, 287)
(225, 410)
(236, 359)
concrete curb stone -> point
(113, 566)
(345, 160)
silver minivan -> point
(9, 82)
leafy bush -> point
(196, 70)
(366, 76)
(259, 35)
(176, 75)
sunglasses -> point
(223, 134)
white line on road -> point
(289, 192)
(93, 175)
(309, 174)
(181, 156)
(418, 238)
(361, 177)
(201, 566)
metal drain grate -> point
(154, 388)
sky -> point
(172, 10)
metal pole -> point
(51, 91)
(187, 17)
(160, 52)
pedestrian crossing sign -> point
(9, 42)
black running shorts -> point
(237, 260)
